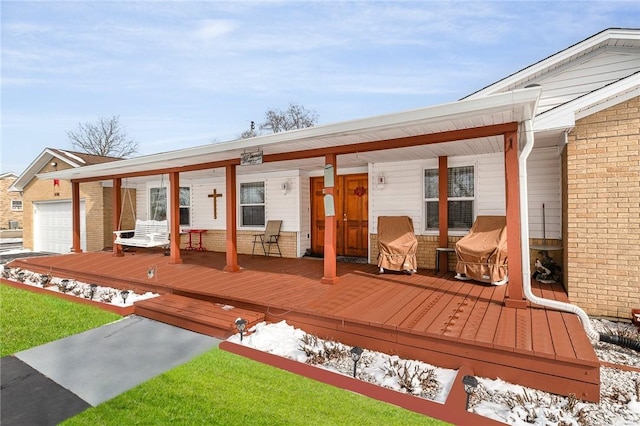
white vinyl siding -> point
(544, 182)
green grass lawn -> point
(215, 388)
(220, 388)
(28, 319)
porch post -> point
(232, 238)
(75, 217)
(515, 294)
(330, 224)
(443, 212)
(117, 212)
(174, 225)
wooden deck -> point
(434, 318)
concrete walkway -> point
(94, 366)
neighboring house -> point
(47, 204)
(580, 107)
(10, 203)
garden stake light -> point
(92, 291)
(356, 353)
(241, 324)
(124, 294)
(470, 384)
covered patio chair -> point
(482, 253)
(397, 244)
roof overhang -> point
(45, 157)
(446, 119)
(565, 116)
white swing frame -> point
(147, 233)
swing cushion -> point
(148, 233)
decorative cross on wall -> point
(215, 196)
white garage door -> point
(52, 227)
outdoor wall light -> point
(54, 164)
(470, 384)
(124, 294)
(356, 353)
(241, 324)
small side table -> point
(442, 250)
(199, 246)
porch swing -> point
(147, 233)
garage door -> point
(52, 227)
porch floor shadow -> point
(426, 316)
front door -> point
(352, 214)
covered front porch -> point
(428, 316)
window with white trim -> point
(460, 196)
(185, 206)
(158, 204)
(252, 204)
(16, 205)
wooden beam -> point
(231, 251)
(330, 227)
(515, 293)
(117, 214)
(443, 212)
(174, 224)
(380, 145)
(75, 217)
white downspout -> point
(524, 236)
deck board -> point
(423, 316)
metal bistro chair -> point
(269, 237)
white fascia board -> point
(557, 58)
(565, 116)
(522, 102)
(36, 165)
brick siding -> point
(6, 214)
(602, 214)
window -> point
(252, 204)
(460, 196)
(185, 206)
(16, 205)
(158, 204)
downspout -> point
(524, 236)
(526, 274)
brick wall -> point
(43, 190)
(6, 214)
(602, 215)
(215, 240)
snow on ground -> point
(496, 399)
(102, 294)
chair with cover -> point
(397, 244)
(482, 253)
(269, 238)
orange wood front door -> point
(352, 214)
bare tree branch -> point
(106, 137)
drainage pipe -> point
(526, 273)
(524, 236)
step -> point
(210, 318)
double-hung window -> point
(16, 205)
(158, 204)
(252, 204)
(185, 206)
(460, 198)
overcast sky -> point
(182, 74)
